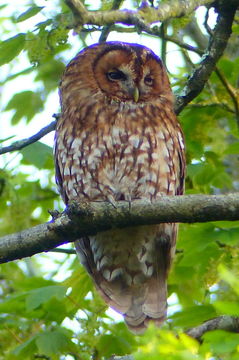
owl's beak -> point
(136, 94)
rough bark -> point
(89, 218)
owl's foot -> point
(112, 201)
(54, 214)
(128, 198)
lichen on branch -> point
(85, 219)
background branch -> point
(86, 219)
(217, 44)
(233, 93)
(228, 323)
(18, 145)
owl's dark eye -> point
(148, 80)
(116, 75)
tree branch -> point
(106, 29)
(233, 93)
(217, 44)
(18, 145)
(87, 219)
(228, 323)
(143, 16)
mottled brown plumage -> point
(119, 139)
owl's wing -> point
(182, 165)
(58, 176)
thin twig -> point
(18, 145)
(163, 31)
(231, 91)
(212, 104)
(64, 251)
(16, 337)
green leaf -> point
(26, 349)
(229, 277)
(32, 11)
(10, 48)
(26, 104)
(8, 138)
(39, 296)
(52, 342)
(13, 305)
(50, 72)
(39, 155)
(193, 315)
(55, 310)
(232, 148)
(161, 344)
(221, 341)
(112, 344)
(227, 307)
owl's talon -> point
(112, 201)
(129, 205)
(54, 214)
(128, 199)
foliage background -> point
(40, 297)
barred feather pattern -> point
(111, 146)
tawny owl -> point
(119, 139)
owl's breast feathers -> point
(114, 153)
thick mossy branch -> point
(171, 9)
(87, 219)
(142, 16)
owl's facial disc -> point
(125, 75)
(116, 76)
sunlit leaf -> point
(53, 342)
(26, 105)
(32, 11)
(227, 307)
(10, 48)
(39, 155)
(222, 341)
(39, 296)
(193, 315)
(25, 349)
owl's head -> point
(121, 72)
(130, 72)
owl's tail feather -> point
(138, 305)
(153, 307)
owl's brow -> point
(110, 48)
